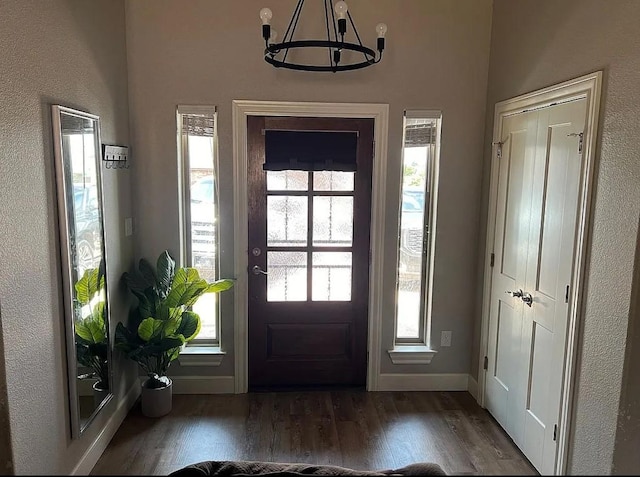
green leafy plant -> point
(162, 321)
(90, 329)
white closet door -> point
(535, 239)
(517, 157)
(551, 245)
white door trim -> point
(589, 87)
(380, 114)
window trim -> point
(198, 349)
(419, 350)
(201, 355)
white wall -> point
(68, 52)
(538, 43)
(204, 52)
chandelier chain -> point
(356, 32)
(301, 3)
(333, 22)
(293, 17)
(326, 17)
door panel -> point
(538, 390)
(309, 237)
(507, 324)
(514, 195)
(549, 270)
(556, 164)
(287, 340)
(512, 225)
(536, 217)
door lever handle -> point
(258, 271)
(524, 296)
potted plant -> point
(162, 323)
(90, 330)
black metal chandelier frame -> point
(335, 44)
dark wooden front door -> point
(308, 262)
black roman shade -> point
(310, 151)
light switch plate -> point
(445, 338)
(128, 226)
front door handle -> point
(258, 271)
(527, 298)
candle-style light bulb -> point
(341, 9)
(381, 30)
(266, 15)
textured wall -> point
(70, 53)
(626, 458)
(538, 43)
(203, 52)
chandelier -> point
(276, 53)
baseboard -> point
(95, 450)
(203, 384)
(423, 382)
(473, 387)
(386, 382)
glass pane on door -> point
(287, 180)
(287, 276)
(332, 221)
(331, 276)
(333, 181)
(286, 221)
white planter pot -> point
(156, 402)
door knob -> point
(258, 271)
(515, 294)
(527, 298)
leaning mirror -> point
(79, 186)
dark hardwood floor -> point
(356, 429)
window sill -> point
(201, 356)
(416, 354)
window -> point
(417, 221)
(197, 169)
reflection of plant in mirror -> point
(90, 328)
(162, 322)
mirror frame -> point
(65, 226)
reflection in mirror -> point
(79, 186)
